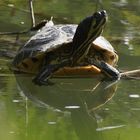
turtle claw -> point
(42, 82)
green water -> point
(72, 109)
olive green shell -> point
(55, 38)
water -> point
(72, 109)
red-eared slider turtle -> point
(58, 46)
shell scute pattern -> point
(45, 40)
(69, 30)
(51, 37)
(46, 36)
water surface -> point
(72, 109)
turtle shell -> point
(49, 38)
(58, 38)
(101, 49)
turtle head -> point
(87, 31)
(96, 24)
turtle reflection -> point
(79, 98)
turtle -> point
(54, 47)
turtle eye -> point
(103, 13)
(97, 14)
(100, 15)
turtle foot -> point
(42, 82)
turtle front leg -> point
(42, 78)
(47, 71)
